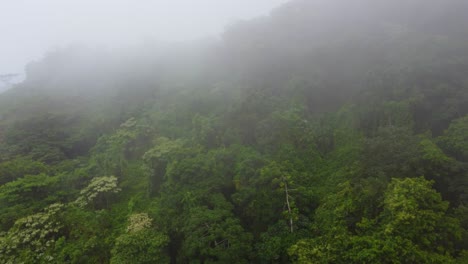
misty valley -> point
(327, 131)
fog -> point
(70, 45)
(234, 131)
(29, 28)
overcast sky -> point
(29, 28)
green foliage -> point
(393, 152)
(86, 238)
(158, 158)
(141, 244)
(204, 130)
(19, 167)
(109, 153)
(455, 138)
(32, 238)
(414, 211)
(274, 243)
(27, 188)
(296, 137)
(411, 227)
(24, 196)
(48, 138)
(214, 235)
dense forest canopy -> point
(325, 132)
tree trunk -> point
(289, 206)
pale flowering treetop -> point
(138, 222)
(97, 186)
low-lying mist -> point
(327, 131)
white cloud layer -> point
(31, 27)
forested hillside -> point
(326, 132)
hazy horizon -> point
(32, 28)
